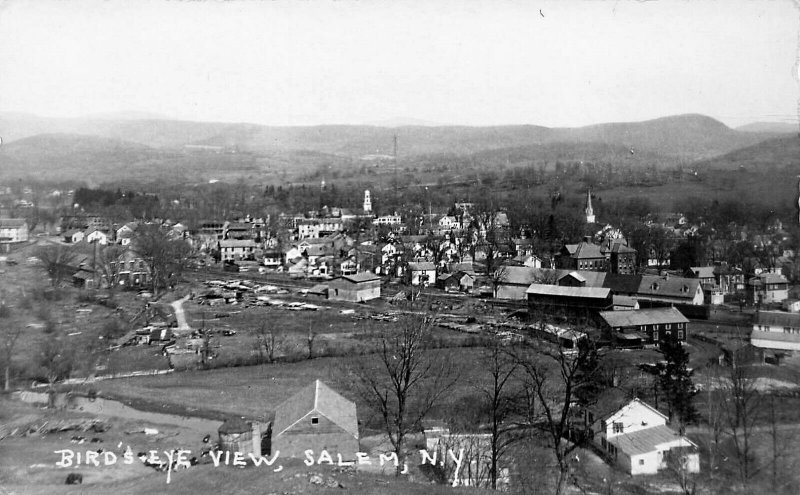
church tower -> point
(589, 209)
(367, 202)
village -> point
(330, 284)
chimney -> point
(587, 239)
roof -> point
(316, 397)
(361, 277)
(702, 271)
(11, 223)
(557, 290)
(774, 336)
(772, 278)
(622, 284)
(639, 317)
(577, 276)
(655, 285)
(623, 301)
(586, 250)
(647, 440)
(234, 243)
(235, 425)
(319, 289)
(777, 319)
(418, 266)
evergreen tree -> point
(676, 383)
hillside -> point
(771, 127)
(688, 137)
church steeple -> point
(589, 210)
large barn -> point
(316, 418)
(355, 288)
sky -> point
(467, 62)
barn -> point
(355, 288)
(316, 418)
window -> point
(680, 334)
(655, 335)
(314, 420)
(641, 462)
(668, 326)
(617, 427)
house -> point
(388, 220)
(635, 436)
(13, 230)
(96, 236)
(355, 288)
(791, 305)
(125, 233)
(776, 330)
(421, 273)
(523, 246)
(767, 288)
(572, 302)
(237, 249)
(476, 456)
(585, 255)
(456, 282)
(643, 326)
(73, 236)
(705, 274)
(673, 290)
(316, 418)
(273, 259)
(621, 258)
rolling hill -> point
(688, 137)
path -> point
(180, 315)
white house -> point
(776, 330)
(98, 236)
(13, 230)
(636, 437)
(388, 220)
(236, 249)
(422, 272)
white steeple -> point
(589, 209)
(367, 202)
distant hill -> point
(685, 136)
(770, 127)
(781, 152)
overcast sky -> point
(353, 62)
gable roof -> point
(360, 277)
(777, 319)
(234, 243)
(622, 284)
(12, 223)
(316, 397)
(647, 440)
(655, 285)
(419, 266)
(558, 290)
(702, 271)
(640, 317)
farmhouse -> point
(776, 330)
(355, 288)
(767, 288)
(421, 273)
(636, 437)
(233, 250)
(13, 230)
(316, 418)
(643, 326)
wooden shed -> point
(238, 435)
(355, 288)
(316, 418)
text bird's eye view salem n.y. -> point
(399, 247)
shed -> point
(316, 418)
(355, 288)
(238, 435)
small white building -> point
(636, 437)
(232, 250)
(421, 273)
(98, 236)
(13, 230)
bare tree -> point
(165, 257)
(560, 383)
(11, 335)
(267, 343)
(58, 260)
(742, 411)
(310, 338)
(499, 399)
(405, 381)
(108, 265)
(56, 360)
(499, 276)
